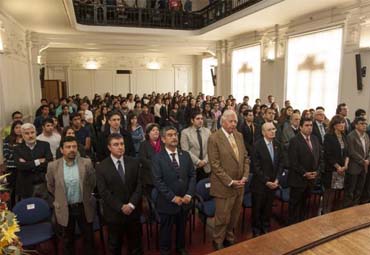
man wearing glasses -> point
(356, 187)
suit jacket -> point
(115, 193)
(248, 138)
(356, 152)
(287, 134)
(333, 153)
(225, 166)
(60, 120)
(189, 143)
(316, 131)
(28, 173)
(146, 154)
(102, 149)
(303, 160)
(266, 169)
(56, 186)
(171, 182)
(348, 128)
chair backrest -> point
(283, 179)
(31, 211)
(202, 189)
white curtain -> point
(313, 70)
(246, 71)
(207, 84)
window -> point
(313, 66)
(246, 68)
(208, 64)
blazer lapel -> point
(81, 171)
(60, 174)
(114, 171)
(305, 142)
(227, 144)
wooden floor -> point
(319, 235)
(356, 243)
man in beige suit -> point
(229, 173)
(71, 180)
(194, 140)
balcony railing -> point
(102, 14)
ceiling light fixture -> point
(91, 64)
(154, 65)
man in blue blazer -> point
(174, 181)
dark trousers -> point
(200, 174)
(298, 204)
(261, 211)
(77, 215)
(116, 232)
(165, 232)
(353, 187)
(365, 196)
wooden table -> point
(308, 236)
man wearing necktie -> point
(229, 172)
(194, 140)
(174, 181)
(268, 166)
(119, 185)
(305, 160)
(319, 127)
(342, 109)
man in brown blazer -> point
(71, 180)
(359, 158)
(229, 172)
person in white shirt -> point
(89, 117)
(48, 135)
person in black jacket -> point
(31, 159)
(119, 185)
(174, 181)
(114, 122)
(336, 160)
(304, 167)
(148, 148)
(268, 166)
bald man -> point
(229, 163)
(268, 166)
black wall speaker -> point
(360, 72)
(123, 71)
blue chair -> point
(247, 199)
(283, 193)
(34, 217)
(204, 203)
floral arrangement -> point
(9, 242)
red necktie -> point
(309, 142)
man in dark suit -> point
(119, 185)
(268, 166)
(342, 109)
(359, 160)
(114, 126)
(305, 162)
(319, 127)
(174, 181)
(249, 130)
(31, 158)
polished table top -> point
(304, 236)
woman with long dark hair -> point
(336, 161)
(10, 142)
(151, 146)
(136, 131)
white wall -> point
(273, 74)
(17, 89)
(175, 73)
